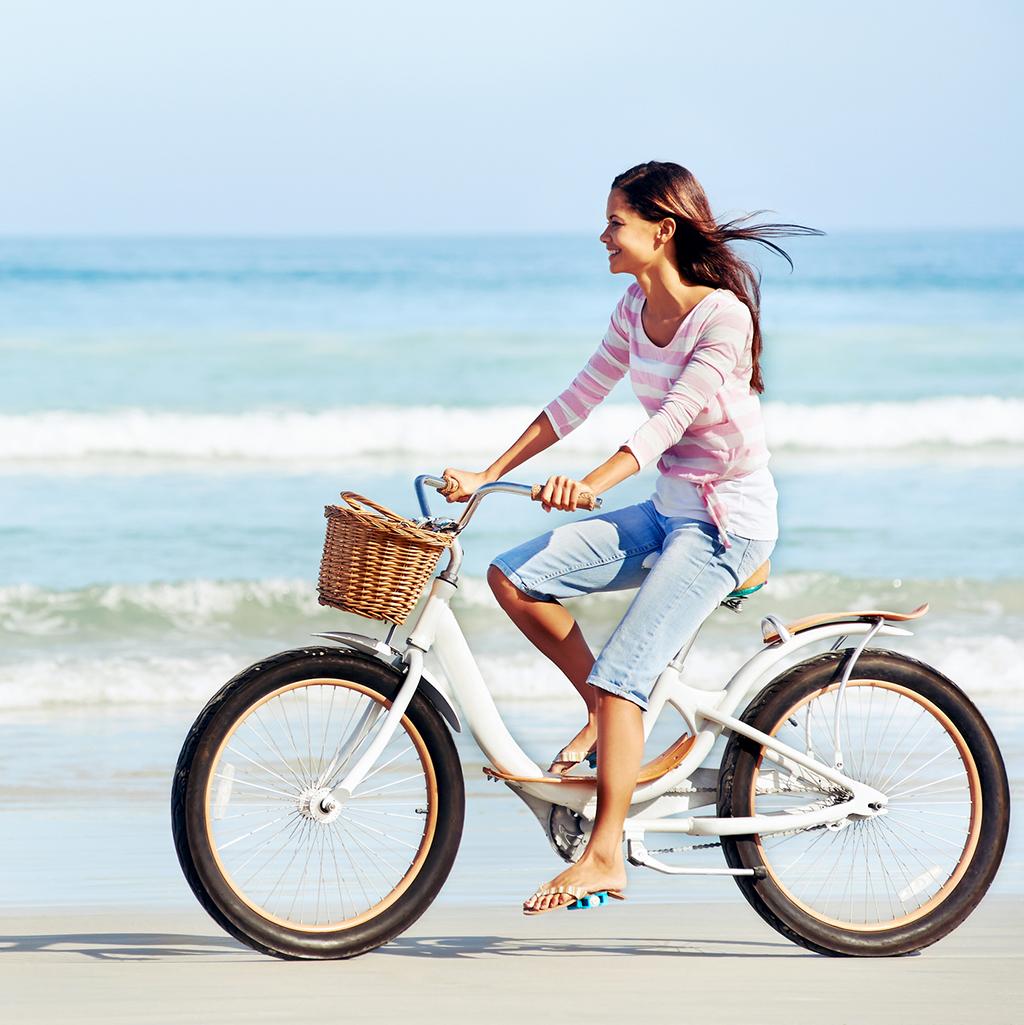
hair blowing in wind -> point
(656, 190)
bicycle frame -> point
(656, 805)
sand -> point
(639, 962)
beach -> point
(656, 962)
(94, 898)
(161, 517)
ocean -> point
(175, 414)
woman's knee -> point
(501, 586)
(511, 595)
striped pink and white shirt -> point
(704, 419)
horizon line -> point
(163, 234)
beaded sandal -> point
(582, 900)
(572, 758)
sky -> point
(333, 117)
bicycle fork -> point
(337, 796)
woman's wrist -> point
(617, 468)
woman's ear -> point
(666, 229)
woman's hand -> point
(467, 483)
(562, 493)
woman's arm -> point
(562, 414)
(559, 492)
(612, 471)
(564, 492)
(603, 370)
(538, 436)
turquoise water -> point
(174, 414)
(307, 325)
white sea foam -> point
(986, 667)
(162, 643)
(129, 610)
(362, 432)
(213, 608)
(114, 680)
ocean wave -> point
(212, 608)
(360, 432)
(166, 643)
(987, 667)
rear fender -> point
(393, 657)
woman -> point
(688, 333)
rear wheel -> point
(899, 880)
(266, 843)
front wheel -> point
(271, 853)
(908, 875)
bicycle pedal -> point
(591, 900)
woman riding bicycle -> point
(687, 332)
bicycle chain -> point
(718, 843)
(686, 850)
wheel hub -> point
(319, 804)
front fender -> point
(393, 657)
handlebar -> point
(531, 491)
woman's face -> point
(633, 244)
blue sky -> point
(366, 118)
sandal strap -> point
(570, 756)
(576, 892)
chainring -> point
(566, 833)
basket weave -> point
(375, 565)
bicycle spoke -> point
(259, 765)
(371, 829)
(238, 781)
(268, 739)
(887, 785)
(252, 832)
(926, 786)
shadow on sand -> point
(161, 946)
(505, 946)
(124, 946)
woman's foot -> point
(579, 748)
(566, 760)
(588, 875)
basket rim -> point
(388, 522)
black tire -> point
(370, 682)
(983, 814)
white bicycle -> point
(861, 801)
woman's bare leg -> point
(620, 749)
(550, 627)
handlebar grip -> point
(586, 500)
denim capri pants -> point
(682, 570)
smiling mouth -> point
(614, 252)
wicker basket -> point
(375, 565)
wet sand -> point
(644, 961)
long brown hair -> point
(657, 190)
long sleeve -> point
(603, 370)
(717, 352)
